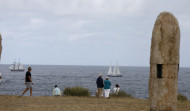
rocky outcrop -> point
(164, 63)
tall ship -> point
(16, 66)
(116, 72)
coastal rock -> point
(0, 46)
(164, 63)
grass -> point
(182, 97)
(121, 94)
(76, 91)
(70, 103)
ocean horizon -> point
(45, 77)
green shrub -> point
(121, 94)
(76, 91)
(182, 97)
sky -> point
(86, 32)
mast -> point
(19, 64)
(14, 65)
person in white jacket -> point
(56, 91)
(116, 89)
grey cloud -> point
(115, 29)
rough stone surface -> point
(0, 46)
(164, 50)
(165, 40)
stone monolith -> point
(164, 63)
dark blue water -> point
(45, 77)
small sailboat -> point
(16, 67)
(116, 72)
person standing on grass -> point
(100, 85)
(56, 91)
(28, 81)
(107, 84)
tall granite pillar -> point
(0, 46)
(164, 63)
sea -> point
(45, 77)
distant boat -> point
(16, 67)
(116, 72)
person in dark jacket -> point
(28, 81)
(100, 85)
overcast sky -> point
(86, 32)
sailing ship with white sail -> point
(16, 67)
(116, 72)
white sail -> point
(110, 71)
(118, 71)
(21, 66)
(11, 67)
(115, 70)
(16, 66)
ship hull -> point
(115, 75)
(18, 70)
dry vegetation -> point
(17, 103)
(76, 91)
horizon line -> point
(89, 65)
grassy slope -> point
(16, 103)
